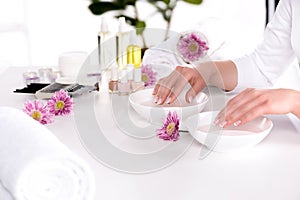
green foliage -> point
(140, 27)
(99, 8)
(196, 2)
(164, 7)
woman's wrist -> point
(207, 71)
(222, 74)
(296, 103)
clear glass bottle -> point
(114, 80)
(134, 51)
(122, 43)
(102, 36)
(137, 83)
(123, 85)
(130, 74)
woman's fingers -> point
(231, 105)
(169, 88)
(177, 89)
(185, 77)
(155, 90)
(252, 103)
(172, 82)
(196, 87)
(247, 103)
(247, 111)
(248, 116)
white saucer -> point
(66, 80)
(143, 103)
(202, 128)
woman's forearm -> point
(228, 73)
(222, 74)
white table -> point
(271, 170)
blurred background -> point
(36, 32)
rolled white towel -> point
(35, 165)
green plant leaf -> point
(167, 1)
(197, 2)
(124, 3)
(130, 2)
(154, 1)
(140, 27)
(98, 8)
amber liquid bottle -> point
(134, 51)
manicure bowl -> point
(201, 127)
(143, 103)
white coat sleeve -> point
(273, 56)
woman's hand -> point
(168, 88)
(252, 103)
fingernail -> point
(216, 122)
(156, 99)
(222, 124)
(237, 123)
(168, 101)
(159, 101)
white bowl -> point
(202, 128)
(143, 103)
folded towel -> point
(35, 165)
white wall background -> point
(35, 32)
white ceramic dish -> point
(65, 80)
(143, 103)
(202, 128)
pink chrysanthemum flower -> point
(170, 129)
(148, 75)
(38, 111)
(61, 103)
(191, 47)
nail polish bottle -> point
(137, 84)
(123, 85)
(114, 80)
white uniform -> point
(274, 55)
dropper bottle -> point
(122, 43)
(134, 51)
(103, 34)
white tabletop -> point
(270, 170)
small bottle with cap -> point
(123, 85)
(130, 73)
(137, 83)
(122, 43)
(134, 51)
(114, 80)
(102, 36)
